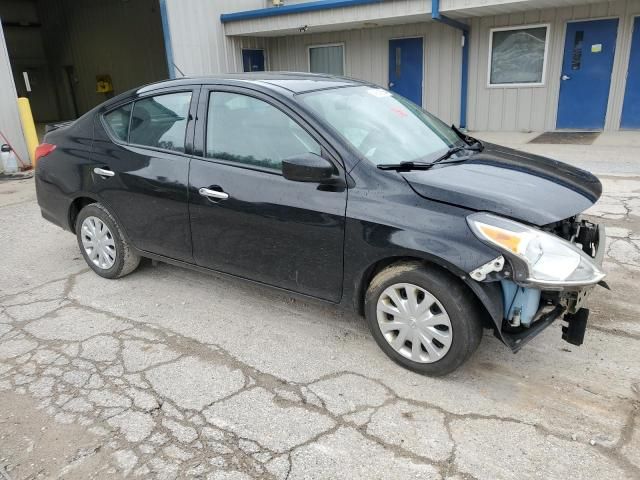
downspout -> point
(436, 16)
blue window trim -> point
(289, 9)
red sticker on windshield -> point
(399, 111)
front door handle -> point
(103, 172)
(565, 77)
(207, 192)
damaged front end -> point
(544, 273)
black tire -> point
(458, 302)
(126, 261)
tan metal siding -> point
(535, 108)
(199, 43)
(367, 58)
(9, 116)
(323, 20)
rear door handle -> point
(103, 172)
(207, 192)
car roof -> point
(294, 82)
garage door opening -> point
(67, 56)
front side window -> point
(250, 131)
(518, 56)
(118, 122)
(161, 121)
(327, 59)
(382, 126)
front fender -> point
(490, 295)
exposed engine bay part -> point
(528, 309)
(573, 333)
(520, 304)
(495, 265)
(582, 233)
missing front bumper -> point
(571, 304)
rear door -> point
(263, 227)
(140, 169)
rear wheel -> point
(102, 243)
(422, 318)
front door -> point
(586, 74)
(631, 109)
(251, 221)
(253, 60)
(406, 68)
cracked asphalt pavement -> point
(168, 373)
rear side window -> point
(247, 130)
(118, 122)
(161, 121)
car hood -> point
(529, 188)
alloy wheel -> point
(414, 322)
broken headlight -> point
(538, 258)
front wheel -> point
(102, 243)
(422, 318)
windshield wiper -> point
(406, 166)
(469, 140)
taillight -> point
(43, 150)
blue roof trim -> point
(289, 9)
(438, 17)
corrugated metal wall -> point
(367, 58)
(9, 117)
(121, 39)
(396, 11)
(200, 46)
(535, 108)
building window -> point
(327, 59)
(517, 55)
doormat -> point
(566, 138)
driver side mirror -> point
(308, 167)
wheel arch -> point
(487, 295)
(76, 205)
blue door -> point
(405, 68)
(253, 60)
(586, 74)
(631, 109)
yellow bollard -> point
(28, 127)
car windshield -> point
(384, 127)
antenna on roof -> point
(178, 69)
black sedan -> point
(334, 189)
